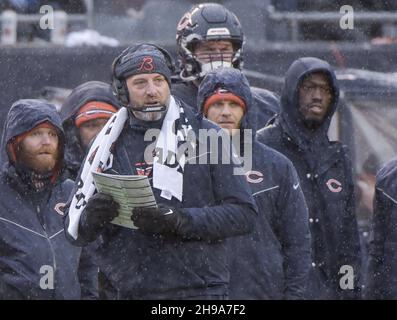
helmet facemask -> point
(197, 65)
(204, 23)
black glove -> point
(163, 220)
(99, 211)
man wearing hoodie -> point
(382, 264)
(309, 99)
(210, 36)
(274, 261)
(178, 250)
(36, 261)
(84, 112)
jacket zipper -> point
(49, 242)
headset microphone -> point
(151, 108)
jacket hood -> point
(86, 92)
(22, 117)
(82, 94)
(290, 114)
(386, 178)
(234, 81)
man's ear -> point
(13, 148)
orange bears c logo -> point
(184, 22)
(254, 176)
(334, 185)
(59, 208)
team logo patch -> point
(254, 176)
(143, 169)
(334, 185)
(146, 64)
(59, 208)
(184, 22)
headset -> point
(120, 89)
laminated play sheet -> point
(129, 191)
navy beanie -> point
(143, 58)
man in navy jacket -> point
(274, 261)
(382, 265)
(36, 260)
(308, 101)
(179, 251)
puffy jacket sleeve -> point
(350, 249)
(88, 274)
(382, 265)
(292, 229)
(233, 213)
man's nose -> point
(150, 89)
(45, 138)
(226, 111)
(317, 93)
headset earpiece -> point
(119, 86)
(122, 92)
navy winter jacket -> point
(382, 265)
(272, 262)
(36, 260)
(193, 264)
(325, 172)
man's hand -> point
(99, 211)
(162, 220)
